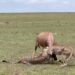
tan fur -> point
(62, 50)
(44, 39)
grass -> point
(17, 40)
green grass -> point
(17, 39)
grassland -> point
(17, 40)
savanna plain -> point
(18, 33)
